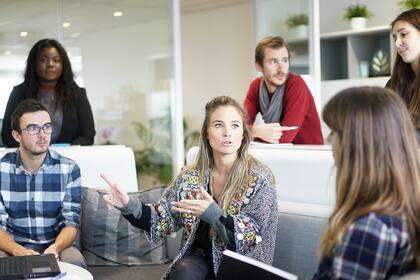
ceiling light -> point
(117, 14)
(66, 24)
(7, 52)
(23, 34)
(75, 35)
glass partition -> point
(290, 20)
(121, 52)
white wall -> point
(120, 77)
(331, 13)
(217, 57)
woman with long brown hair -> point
(374, 228)
(405, 79)
(227, 200)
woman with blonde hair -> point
(405, 79)
(374, 228)
(227, 200)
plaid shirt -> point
(35, 207)
(374, 247)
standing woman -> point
(227, 200)
(373, 232)
(405, 78)
(49, 78)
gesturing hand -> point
(195, 207)
(114, 195)
(270, 132)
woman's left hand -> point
(195, 207)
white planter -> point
(301, 31)
(358, 23)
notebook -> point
(236, 266)
(27, 267)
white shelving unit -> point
(342, 52)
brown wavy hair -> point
(377, 160)
(404, 80)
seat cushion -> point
(109, 239)
(297, 243)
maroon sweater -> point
(298, 110)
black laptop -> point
(27, 267)
(235, 266)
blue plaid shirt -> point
(374, 247)
(35, 207)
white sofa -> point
(303, 173)
(116, 161)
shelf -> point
(344, 53)
(366, 31)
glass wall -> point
(121, 52)
(290, 20)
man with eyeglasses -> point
(39, 191)
(282, 97)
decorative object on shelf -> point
(357, 15)
(379, 65)
(364, 69)
(409, 4)
(299, 23)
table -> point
(74, 272)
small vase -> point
(358, 23)
(301, 31)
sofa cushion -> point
(109, 239)
(299, 229)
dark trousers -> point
(195, 266)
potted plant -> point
(298, 22)
(357, 15)
(409, 4)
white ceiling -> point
(43, 18)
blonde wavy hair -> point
(237, 181)
(377, 159)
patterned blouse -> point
(374, 247)
(254, 215)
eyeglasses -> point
(34, 129)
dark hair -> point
(65, 87)
(269, 42)
(26, 106)
(403, 80)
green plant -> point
(356, 10)
(409, 4)
(296, 20)
(155, 156)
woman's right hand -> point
(114, 196)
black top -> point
(77, 128)
(202, 239)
